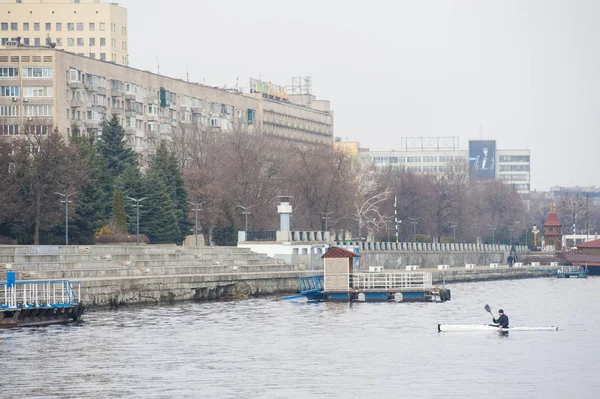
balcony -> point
(116, 92)
(76, 103)
(92, 124)
(130, 113)
(129, 96)
(91, 87)
(198, 110)
(152, 118)
(74, 84)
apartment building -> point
(85, 27)
(511, 166)
(42, 88)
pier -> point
(34, 303)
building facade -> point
(512, 166)
(85, 27)
(42, 88)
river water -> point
(269, 348)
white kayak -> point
(487, 327)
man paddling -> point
(502, 320)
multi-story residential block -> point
(509, 166)
(85, 27)
(42, 88)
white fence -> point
(390, 281)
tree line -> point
(227, 172)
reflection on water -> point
(270, 348)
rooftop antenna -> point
(187, 73)
(157, 66)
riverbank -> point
(114, 276)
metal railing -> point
(261, 236)
(39, 294)
(311, 283)
(390, 281)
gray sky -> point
(525, 71)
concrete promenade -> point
(115, 275)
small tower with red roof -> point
(552, 233)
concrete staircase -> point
(115, 275)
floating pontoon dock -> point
(36, 303)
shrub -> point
(7, 241)
(447, 240)
(422, 238)
(107, 236)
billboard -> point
(482, 159)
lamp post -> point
(137, 211)
(246, 212)
(66, 201)
(197, 205)
(493, 228)
(454, 226)
(414, 223)
(387, 224)
(326, 217)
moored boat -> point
(489, 328)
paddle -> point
(487, 307)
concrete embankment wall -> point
(482, 273)
(120, 275)
(399, 260)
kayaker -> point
(502, 320)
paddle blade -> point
(487, 308)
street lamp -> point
(246, 212)
(510, 229)
(326, 217)
(137, 208)
(196, 206)
(414, 223)
(454, 226)
(66, 201)
(493, 228)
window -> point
(36, 26)
(4, 41)
(38, 91)
(9, 130)
(80, 41)
(70, 26)
(70, 41)
(25, 25)
(79, 26)
(514, 158)
(102, 26)
(103, 41)
(9, 110)
(413, 159)
(26, 41)
(92, 26)
(14, 26)
(59, 41)
(37, 72)
(92, 41)
(9, 72)
(37, 41)
(48, 26)
(4, 26)
(103, 56)
(93, 55)
(9, 91)
(429, 159)
(59, 26)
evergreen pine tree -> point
(93, 201)
(165, 165)
(118, 213)
(113, 149)
(160, 222)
